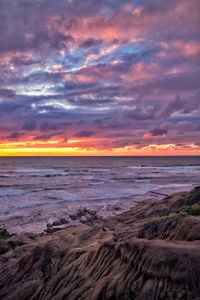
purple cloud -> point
(79, 67)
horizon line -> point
(188, 155)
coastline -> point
(139, 253)
(35, 223)
(34, 193)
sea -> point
(37, 190)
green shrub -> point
(172, 217)
(181, 214)
(3, 247)
(193, 210)
(4, 234)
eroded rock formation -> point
(150, 252)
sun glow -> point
(60, 148)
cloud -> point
(114, 69)
(45, 136)
(139, 113)
(7, 93)
(91, 42)
(173, 106)
(29, 125)
(85, 133)
(157, 132)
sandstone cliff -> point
(150, 252)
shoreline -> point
(35, 223)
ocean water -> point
(38, 190)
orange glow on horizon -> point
(53, 148)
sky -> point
(106, 77)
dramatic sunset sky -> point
(99, 77)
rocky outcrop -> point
(121, 258)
